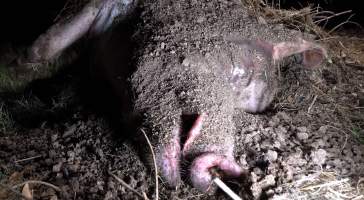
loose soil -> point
(312, 135)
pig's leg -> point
(95, 18)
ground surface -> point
(311, 136)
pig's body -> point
(203, 59)
(196, 58)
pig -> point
(195, 67)
(196, 61)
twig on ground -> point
(145, 196)
(332, 16)
(332, 183)
(26, 159)
(338, 194)
(155, 165)
(38, 182)
(358, 184)
(345, 142)
(311, 105)
(127, 185)
(342, 23)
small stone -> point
(54, 137)
(323, 129)
(253, 177)
(274, 121)
(257, 171)
(71, 155)
(271, 155)
(57, 167)
(200, 19)
(48, 161)
(318, 143)
(163, 45)
(318, 157)
(268, 181)
(302, 136)
(261, 20)
(284, 116)
(256, 190)
(74, 168)
(70, 131)
(100, 185)
(269, 192)
(302, 129)
(109, 195)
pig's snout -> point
(169, 159)
(201, 175)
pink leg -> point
(95, 18)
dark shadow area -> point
(74, 88)
(23, 21)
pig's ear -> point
(313, 54)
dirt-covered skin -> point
(229, 69)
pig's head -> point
(208, 142)
(252, 73)
(190, 124)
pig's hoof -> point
(201, 174)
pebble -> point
(271, 155)
(318, 157)
(57, 167)
(302, 136)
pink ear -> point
(313, 54)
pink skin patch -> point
(313, 54)
(169, 160)
(193, 133)
(200, 169)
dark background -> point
(23, 20)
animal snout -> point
(202, 163)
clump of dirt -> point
(308, 145)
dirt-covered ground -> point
(308, 145)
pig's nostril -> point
(216, 172)
(193, 132)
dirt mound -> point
(308, 145)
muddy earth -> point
(67, 130)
